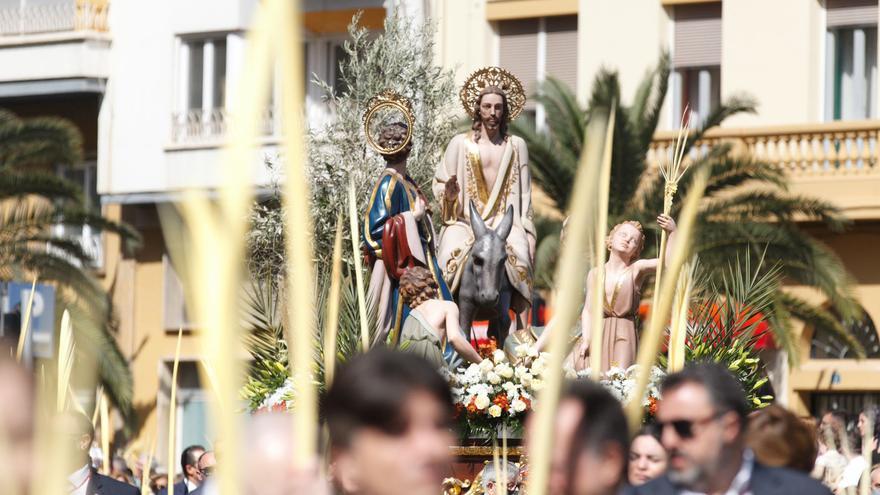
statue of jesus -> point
(488, 167)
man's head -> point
(702, 418)
(389, 416)
(590, 442)
(836, 421)
(206, 464)
(392, 136)
(492, 111)
(494, 481)
(189, 463)
(77, 431)
(780, 439)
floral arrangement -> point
(621, 382)
(496, 394)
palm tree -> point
(33, 202)
(747, 208)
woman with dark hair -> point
(647, 457)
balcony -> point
(834, 161)
(91, 242)
(62, 16)
(209, 128)
(69, 38)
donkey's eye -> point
(478, 261)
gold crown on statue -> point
(390, 101)
(493, 76)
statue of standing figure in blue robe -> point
(397, 234)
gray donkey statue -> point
(485, 291)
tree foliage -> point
(33, 203)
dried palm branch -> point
(570, 276)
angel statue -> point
(624, 275)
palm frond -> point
(38, 141)
(820, 319)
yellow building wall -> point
(625, 36)
(774, 52)
(465, 40)
(136, 284)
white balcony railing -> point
(90, 241)
(65, 15)
(830, 148)
(211, 126)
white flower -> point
(482, 402)
(519, 371)
(486, 365)
(518, 405)
(537, 384)
(495, 411)
(504, 370)
(493, 378)
(472, 374)
(533, 351)
(539, 365)
(479, 389)
(522, 350)
(498, 356)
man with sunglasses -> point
(702, 419)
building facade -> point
(149, 85)
(810, 64)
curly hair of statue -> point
(417, 285)
(632, 223)
(493, 80)
(387, 144)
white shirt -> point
(79, 480)
(740, 483)
(190, 486)
(852, 473)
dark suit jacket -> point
(765, 481)
(179, 489)
(105, 485)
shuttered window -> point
(697, 35)
(561, 57)
(848, 13)
(518, 50)
(537, 48)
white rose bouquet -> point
(621, 383)
(497, 392)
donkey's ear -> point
(477, 222)
(504, 227)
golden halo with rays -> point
(388, 100)
(493, 76)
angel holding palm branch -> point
(624, 275)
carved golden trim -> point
(484, 451)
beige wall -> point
(774, 51)
(136, 284)
(624, 35)
(465, 40)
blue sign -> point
(42, 315)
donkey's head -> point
(488, 256)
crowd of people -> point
(389, 416)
